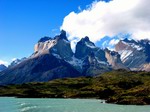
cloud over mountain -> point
(3, 62)
(110, 19)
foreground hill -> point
(120, 87)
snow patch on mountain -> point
(76, 62)
(90, 45)
(133, 45)
(124, 54)
(101, 62)
(56, 55)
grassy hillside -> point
(121, 87)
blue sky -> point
(24, 22)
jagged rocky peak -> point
(61, 36)
(44, 39)
(46, 43)
(63, 47)
(59, 46)
(84, 47)
(86, 41)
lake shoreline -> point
(115, 87)
(108, 101)
(9, 104)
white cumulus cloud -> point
(110, 19)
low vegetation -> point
(120, 87)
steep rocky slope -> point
(134, 54)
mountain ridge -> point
(53, 58)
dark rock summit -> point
(44, 39)
(84, 47)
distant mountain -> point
(53, 58)
(134, 54)
(2, 67)
(16, 62)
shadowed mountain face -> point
(53, 58)
(2, 67)
(41, 68)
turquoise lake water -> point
(64, 105)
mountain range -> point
(53, 58)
